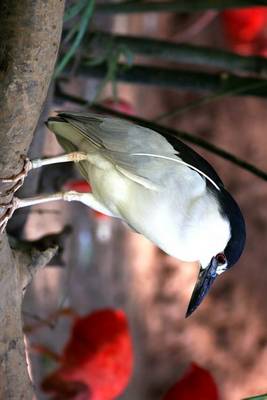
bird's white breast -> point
(182, 218)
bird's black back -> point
(191, 157)
(231, 210)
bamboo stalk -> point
(181, 53)
(127, 7)
(179, 79)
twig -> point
(41, 211)
(127, 7)
(51, 321)
(181, 135)
(194, 26)
(201, 102)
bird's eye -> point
(221, 259)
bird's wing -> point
(143, 155)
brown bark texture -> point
(30, 33)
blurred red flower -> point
(97, 361)
(80, 185)
(119, 105)
(245, 30)
(197, 383)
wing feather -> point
(143, 155)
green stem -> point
(179, 79)
(127, 7)
(83, 27)
(181, 53)
(187, 137)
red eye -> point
(221, 259)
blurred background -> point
(210, 84)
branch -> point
(31, 248)
(181, 53)
(30, 34)
(187, 137)
(179, 79)
(29, 262)
(127, 7)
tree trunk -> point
(29, 38)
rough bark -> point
(29, 38)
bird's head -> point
(228, 255)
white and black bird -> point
(158, 185)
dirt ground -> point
(228, 333)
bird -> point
(157, 185)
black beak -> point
(204, 281)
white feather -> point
(180, 161)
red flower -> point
(97, 361)
(197, 383)
(80, 185)
(245, 29)
(119, 105)
(83, 186)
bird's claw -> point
(19, 178)
(9, 209)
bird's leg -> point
(19, 203)
(18, 179)
(76, 156)
(85, 198)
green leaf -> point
(128, 55)
(74, 10)
(259, 397)
(83, 27)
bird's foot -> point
(7, 210)
(19, 178)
